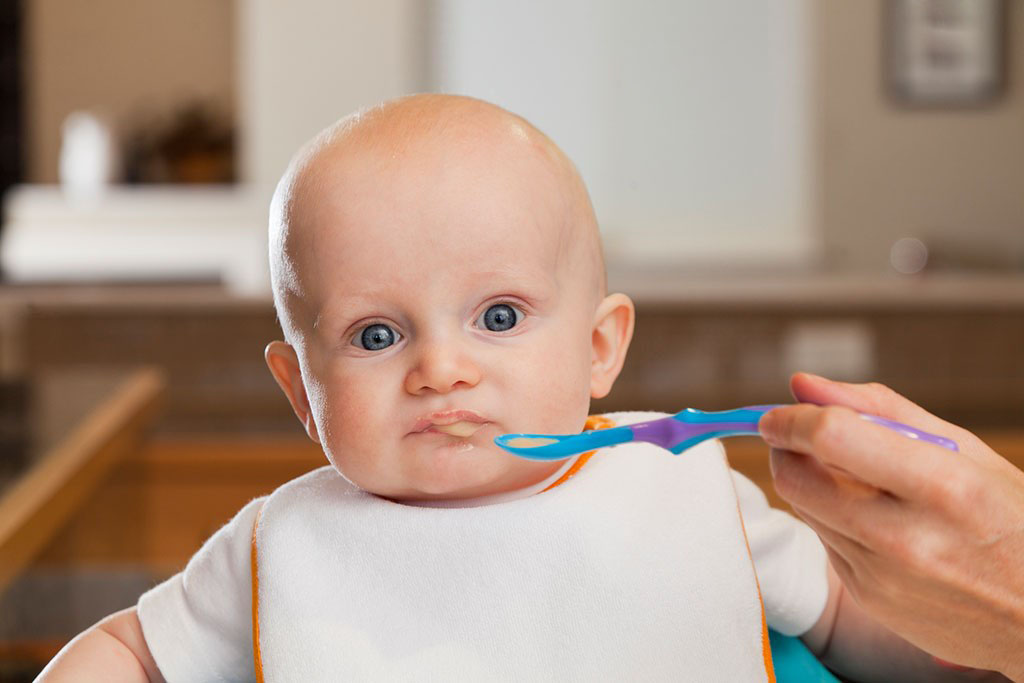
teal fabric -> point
(794, 663)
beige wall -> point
(123, 58)
(305, 63)
(952, 177)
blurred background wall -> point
(133, 62)
(749, 103)
(949, 175)
(654, 103)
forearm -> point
(930, 544)
(112, 650)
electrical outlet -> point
(838, 349)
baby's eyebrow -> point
(334, 313)
(519, 277)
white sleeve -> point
(789, 559)
(198, 623)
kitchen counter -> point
(949, 341)
(849, 291)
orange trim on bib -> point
(593, 422)
(256, 656)
(766, 648)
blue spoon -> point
(674, 433)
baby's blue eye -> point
(376, 337)
(500, 317)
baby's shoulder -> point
(322, 491)
(325, 476)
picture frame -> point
(944, 52)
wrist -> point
(1015, 670)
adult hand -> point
(928, 541)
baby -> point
(438, 274)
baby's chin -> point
(459, 473)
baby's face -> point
(444, 306)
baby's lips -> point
(461, 428)
(446, 418)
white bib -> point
(634, 569)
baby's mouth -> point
(461, 429)
(461, 424)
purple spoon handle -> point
(905, 430)
(910, 432)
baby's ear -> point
(613, 329)
(284, 366)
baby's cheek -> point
(354, 410)
(561, 386)
(355, 442)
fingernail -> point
(951, 665)
(818, 377)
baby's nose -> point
(441, 366)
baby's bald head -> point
(427, 135)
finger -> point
(847, 555)
(870, 578)
(850, 507)
(878, 399)
(873, 399)
(841, 439)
